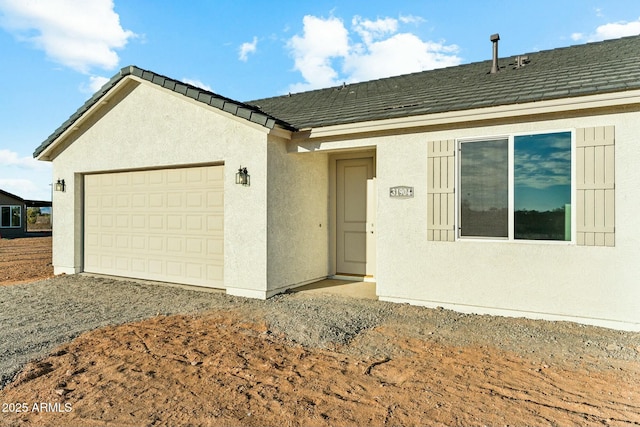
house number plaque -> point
(401, 192)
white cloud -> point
(371, 30)
(328, 54)
(25, 177)
(197, 83)
(13, 159)
(400, 54)
(410, 19)
(78, 34)
(247, 48)
(313, 52)
(611, 30)
(95, 84)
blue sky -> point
(56, 53)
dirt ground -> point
(25, 260)
(220, 369)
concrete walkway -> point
(365, 290)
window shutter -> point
(595, 186)
(440, 190)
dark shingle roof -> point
(236, 108)
(12, 196)
(588, 69)
(594, 68)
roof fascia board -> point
(280, 132)
(242, 110)
(247, 113)
(46, 154)
(12, 196)
(615, 99)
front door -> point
(355, 242)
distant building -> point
(13, 214)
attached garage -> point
(540, 184)
(163, 224)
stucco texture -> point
(145, 126)
(298, 217)
(596, 285)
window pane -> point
(15, 216)
(542, 192)
(484, 192)
(5, 216)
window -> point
(10, 216)
(516, 188)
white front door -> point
(355, 211)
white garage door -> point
(162, 225)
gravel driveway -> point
(37, 317)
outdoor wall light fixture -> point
(242, 177)
(60, 185)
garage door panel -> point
(138, 200)
(215, 223)
(156, 200)
(215, 247)
(215, 273)
(159, 225)
(193, 270)
(215, 199)
(122, 263)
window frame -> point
(11, 207)
(510, 137)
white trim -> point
(57, 270)
(369, 279)
(248, 293)
(77, 124)
(365, 152)
(511, 188)
(11, 216)
(281, 289)
(47, 153)
(500, 112)
(494, 311)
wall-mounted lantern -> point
(60, 185)
(242, 177)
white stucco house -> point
(513, 192)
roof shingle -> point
(588, 69)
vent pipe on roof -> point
(494, 39)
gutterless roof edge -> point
(237, 108)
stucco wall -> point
(298, 222)
(149, 127)
(594, 285)
(555, 281)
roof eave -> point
(11, 195)
(236, 108)
(109, 90)
(514, 110)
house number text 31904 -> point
(401, 192)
